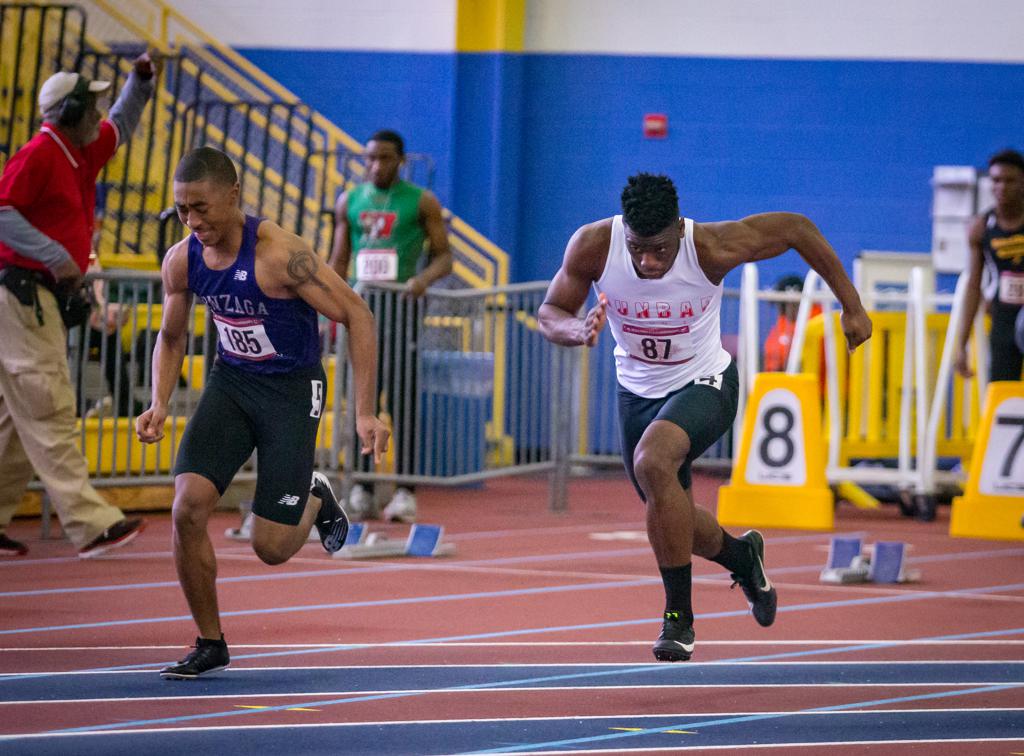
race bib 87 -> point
(245, 338)
(658, 345)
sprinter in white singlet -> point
(658, 279)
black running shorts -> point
(277, 415)
(704, 408)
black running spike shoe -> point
(676, 640)
(331, 520)
(205, 657)
(756, 586)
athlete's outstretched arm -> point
(169, 350)
(760, 237)
(581, 266)
(322, 288)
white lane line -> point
(529, 644)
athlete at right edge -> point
(659, 283)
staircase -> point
(293, 162)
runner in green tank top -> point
(380, 228)
(387, 237)
(381, 225)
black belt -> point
(23, 284)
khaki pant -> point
(37, 421)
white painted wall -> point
(962, 30)
(405, 25)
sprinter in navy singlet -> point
(996, 241)
(263, 288)
(255, 332)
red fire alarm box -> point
(655, 125)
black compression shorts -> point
(277, 415)
(704, 408)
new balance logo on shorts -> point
(318, 398)
(288, 500)
(241, 275)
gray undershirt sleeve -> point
(28, 241)
(126, 112)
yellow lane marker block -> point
(295, 708)
(641, 729)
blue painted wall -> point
(366, 91)
(531, 146)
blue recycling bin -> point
(456, 390)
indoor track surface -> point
(535, 637)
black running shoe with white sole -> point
(756, 586)
(205, 657)
(676, 640)
(117, 535)
(331, 520)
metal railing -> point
(134, 187)
(35, 41)
(469, 386)
(889, 400)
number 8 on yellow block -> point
(778, 479)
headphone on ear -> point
(72, 107)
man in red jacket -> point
(47, 206)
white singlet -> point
(667, 330)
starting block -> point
(423, 541)
(845, 563)
(885, 563)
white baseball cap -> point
(60, 85)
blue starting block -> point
(885, 563)
(888, 564)
(845, 563)
(356, 534)
(423, 541)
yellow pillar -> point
(490, 25)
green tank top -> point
(386, 234)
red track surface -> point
(582, 584)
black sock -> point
(735, 555)
(678, 582)
(201, 641)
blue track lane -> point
(80, 686)
(560, 734)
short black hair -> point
(1007, 157)
(206, 163)
(649, 203)
(790, 283)
(387, 135)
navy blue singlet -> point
(257, 333)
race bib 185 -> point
(245, 338)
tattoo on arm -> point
(302, 268)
